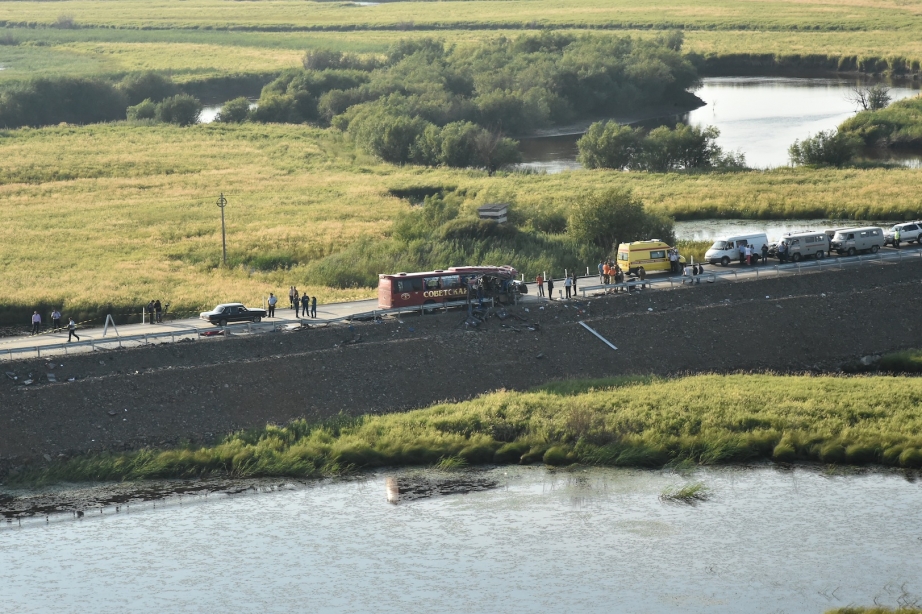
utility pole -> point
(222, 202)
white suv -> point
(909, 232)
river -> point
(760, 116)
(584, 540)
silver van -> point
(853, 240)
(806, 245)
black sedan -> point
(232, 312)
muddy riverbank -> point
(196, 392)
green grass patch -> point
(909, 361)
(697, 420)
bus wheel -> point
(724, 261)
(874, 249)
(820, 255)
(429, 307)
(795, 258)
(851, 251)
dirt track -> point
(200, 390)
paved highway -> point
(175, 330)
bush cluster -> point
(181, 109)
(608, 144)
(826, 148)
(79, 100)
(445, 231)
(423, 94)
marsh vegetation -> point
(625, 422)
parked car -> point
(727, 250)
(226, 313)
(909, 232)
(805, 245)
(854, 240)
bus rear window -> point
(623, 256)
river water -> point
(597, 540)
(760, 116)
(713, 229)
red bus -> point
(414, 289)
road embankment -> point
(198, 391)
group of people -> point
(569, 284)
(55, 324)
(610, 273)
(155, 312)
(304, 305)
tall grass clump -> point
(640, 422)
(690, 493)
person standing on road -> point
(313, 306)
(158, 310)
(291, 296)
(550, 287)
(305, 305)
(150, 311)
(574, 285)
(72, 330)
(896, 238)
(272, 301)
(764, 253)
(567, 284)
(296, 301)
(36, 323)
(540, 281)
(601, 272)
(55, 320)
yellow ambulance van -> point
(646, 256)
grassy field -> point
(119, 214)
(639, 422)
(285, 15)
(200, 39)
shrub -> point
(234, 111)
(145, 110)
(615, 216)
(826, 148)
(181, 109)
(74, 100)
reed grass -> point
(638, 422)
(690, 493)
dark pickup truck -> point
(222, 315)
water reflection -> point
(545, 540)
(760, 116)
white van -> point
(805, 245)
(728, 249)
(853, 240)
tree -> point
(615, 216)
(609, 145)
(234, 111)
(871, 98)
(494, 151)
(827, 148)
(181, 109)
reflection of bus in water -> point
(414, 289)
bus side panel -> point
(385, 296)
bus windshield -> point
(721, 245)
